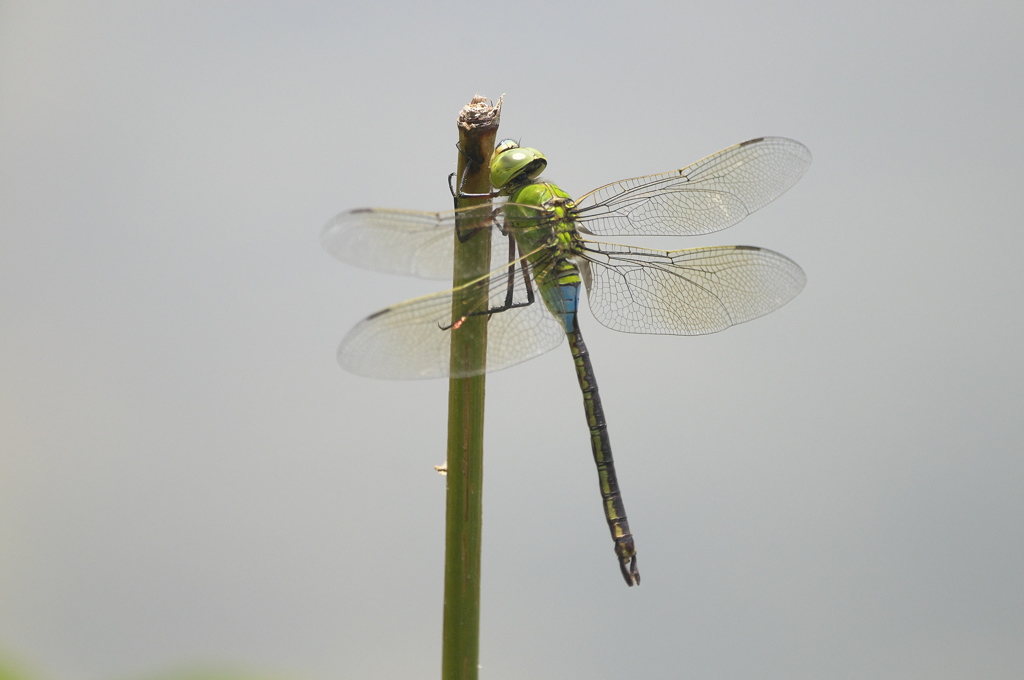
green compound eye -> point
(513, 163)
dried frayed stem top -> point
(480, 113)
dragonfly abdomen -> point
(611, 498)
(558, 280)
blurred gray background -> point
(188, 477)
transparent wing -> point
(712, 194)
(409, 340)
(686, 292)
(416, 243)
(406, 242)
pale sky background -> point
(832, 491)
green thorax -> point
(552, 227)
(548, 237)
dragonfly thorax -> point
(540, 216)
(550, 224)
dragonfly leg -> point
(488, 312)
(509, 291)
(466, 233)
(462, 194)
(472, 164)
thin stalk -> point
(478, 127)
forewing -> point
(409, 340)
(406, 242)
(687, 292)
(712, 194)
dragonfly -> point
(541, 238)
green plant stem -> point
(478, 127)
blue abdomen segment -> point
(563, 300)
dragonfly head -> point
(513, 164)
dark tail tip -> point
(629, 571)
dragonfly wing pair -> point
(686, 292)
(412, 339)
(712, 194)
